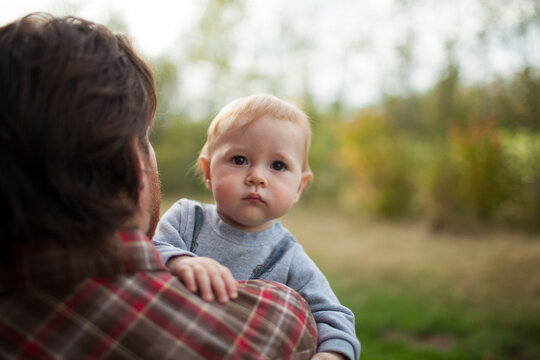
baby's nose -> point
(255, 178)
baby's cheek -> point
(224, 191)
(284, 199)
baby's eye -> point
(239, 160)
(278, 165)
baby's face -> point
(256, 173)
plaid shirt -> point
(64, 305)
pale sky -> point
(353, 43)
(154, 25)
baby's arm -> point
(199, 274)
(167, 239)
(206, 276)
(335, 322)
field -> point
(417, 294)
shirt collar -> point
(46, 266)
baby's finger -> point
(203, 281)
(188, 278)
(219, 288)
(230, 283)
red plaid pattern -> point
(64, 305)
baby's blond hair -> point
(242, 112)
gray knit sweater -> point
(195, 229)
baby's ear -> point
(205, 166)
(306, 176)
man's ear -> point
(306, 176)
(205, 166)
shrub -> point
(378, 162)
(469, 176)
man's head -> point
(76, 103)
(255, 160)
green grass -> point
(401, 319)
(423, 295)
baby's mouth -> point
(254, 197)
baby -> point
(255, 162)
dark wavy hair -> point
(73, 98)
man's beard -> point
(155, 200)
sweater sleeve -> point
(168, 238)
(335, 322)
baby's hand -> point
(206, 276)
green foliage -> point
(378, 160)
(514, 101)
(442, 154)
(442, 197)
(214, 40)
(469, 176)
(478, 152)
(167, 89)
(324, 156)
(523, 206)
(177, 150)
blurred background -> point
(425, 207)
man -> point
(79, 191)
